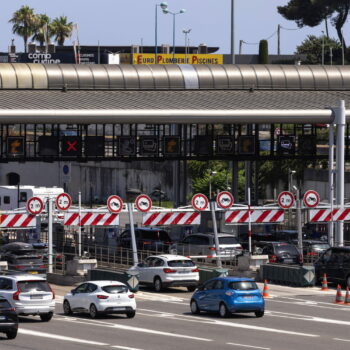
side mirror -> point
(141, 265)
(73, 291)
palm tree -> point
(61, 29)
(43, 23)
(24, 21)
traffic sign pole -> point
(132, 231)
(215, 227)
(50, 224)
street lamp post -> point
(210, 178)
(166, 11)
(163, 6)
(186, 32)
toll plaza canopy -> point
(66, 93)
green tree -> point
(24, 22)
(43, 23)
(312, 48)
(312, 12)
(61, 29)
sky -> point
(127, 22)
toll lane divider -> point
(256, 216)
(171, 218)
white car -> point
(97, 297)
(30, 295)
(168, 270)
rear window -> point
(243, 285)
(156, 235)
(320, 247)
(181, 263)
(228, 240)
(33, 286)
(286, 248)
(115, 289)
(4, 304)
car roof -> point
(169, 257)
(17, 246)
(233, 279)
(102, 283)
(211, 234)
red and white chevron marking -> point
(256, 216)
(326, 215)
(91, 219)
(17, 220)
(181, 218)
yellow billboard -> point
(150, 58)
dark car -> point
(335, 263)
(22, 257)
(281, 252)
(42, 250)
(8, 319)
(313, 248)
(152, 239)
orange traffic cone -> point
(324, 283)
(338, 296)
(347, 297)
(266, 290)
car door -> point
(77, 299)
(215, 295)
(6, 288)
(203, 295)
(88, 297)
(145, 273)
(334, 266)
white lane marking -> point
(309, 318)
(347, 340)
(329, 307)
(59, 337)
(124, 347)
(159, 297)
(130, 328)
(248, 346)
(229, 324)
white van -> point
(13, 197)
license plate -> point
(33, 272)
(248, 297)
(2, 317)
(36, 297)
(118, 308)
(288, 260)
(184, 271)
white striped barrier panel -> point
(256, 216)
(17, 220)
(327, 215)
(91, 219)
(171, 218)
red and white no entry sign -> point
(285, 200)
(35, 205)
(224, 199)
(143, 203)
(63, 201)
(114, 204)
(311, 199)
(199, 202)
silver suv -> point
(30, 295)
(202, 245)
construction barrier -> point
(17, 220)
(327, 215)
(91, 219)
(171, 218)
(256, 216)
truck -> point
(13, 197)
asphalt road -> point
(295, 318)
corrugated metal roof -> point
(172, 100)
(173, 77)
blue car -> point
(227, 295)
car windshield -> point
(181, 263)
(115, 289)
(320, 247)
(33, 286)
(156, 235)
(228, 240)
(286, 248)
(243, 285)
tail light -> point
(40, 256)
(19, 267)
(53, 293)
(273, 259)
(145, 243)
(16, 294)
(212, 248)
(312, 253)
(42, 266)
(131, 296)
(195, 270)
(102, 296)
(169, 270)
(58, 256)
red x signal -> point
(72, 146)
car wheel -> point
(259, 313)
(93, 311)
(46, 317)
(157, 284)
(12, 334)
(191, 288)
(223, 312)
(66, 308)
(131, 314)
(194, 307)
